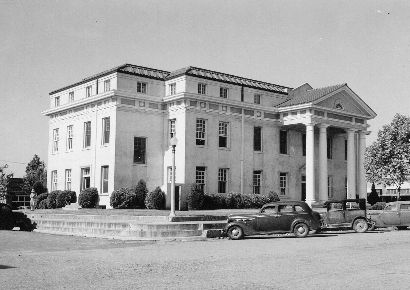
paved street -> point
(376, 260)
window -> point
(222, 180)
(170, 174)
(172, 131)
(56, 101)
(283, 182)
(257, 181)
(142, 88)
(106, 130)
(172, 88)
(283, 142)
(104, 179)
(88, 91)
(329, 148)
(71, 97)
(85, 178)
(53, 180)
(304, 144)
(257, 138)
(223, 134)
(107, 85)
(56, 138)
(202, 89)
(223, 93)
(257, 99)
(200, 131)
(139, 149)
(285, 208)
(70, 137)
(200, 176)
(345, 149)
(329, 186)
(67, 179)
(87, 134)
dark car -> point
(276, 217)
(395, 214)
(346, 213)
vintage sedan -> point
(273, 218)
(395, 214)
(345, 214)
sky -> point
(46, 45)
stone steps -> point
(126, 227)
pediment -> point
(346, 102)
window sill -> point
(86, 149)
(202, 146)
(104, 194)
(139, 164)
(258, 152)
(105, 145)
(224, 148)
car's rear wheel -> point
(235, 232)
(301, 230)
(360, 226)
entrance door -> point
(303, 189)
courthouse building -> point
(234, 135)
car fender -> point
(246, 229)
(300, 220)
(360, 217)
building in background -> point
(234, 135)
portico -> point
(331, 112)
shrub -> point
(196, 197)
(65, 197)
(52, 199)
(123, 198)
(234, 200)
(273, 196)
(155, 199)
(42, 204)
(214, 201)
(378, 206)
(141, 193)
(40, 198)
(88, 198)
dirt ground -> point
(375, 260)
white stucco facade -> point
(255, 118)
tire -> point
(360, 226)
(235, 232)
(400, 228)
(301, 230)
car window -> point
(285, 208)
(352, 205)
(391, 207)
(405, 207)
(298, 208)
(269, 210)
(335, 206)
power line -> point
(8, 161)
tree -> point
(4, 181)
(387, 160)
(35, 172)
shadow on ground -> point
(10, 220)
(6, 267)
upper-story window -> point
(69, 137)
(71, 97)
(88, 90)
(223, 92)
(223, 134)
(283, 142)
(329, 148)
(106, 130)
(257, 138)
(56, 138)
(201, 89)
(257, 99)
(140, 145)
(172, 88)
(57, 101)
(200, 131)
(107, 85)
(87, 134)
(141, 87)
(172, 130)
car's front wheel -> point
(235, 232)
(301, 230)
(360, 226)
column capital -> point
(310, 123)
(351, 130)
(323, 125)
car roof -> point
(345, 200)
(298, 202)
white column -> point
(351, 164)
(323, 195)
(361, 171)
(310, 163)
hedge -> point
(155, 199)
(88, 198)
(235, 200)
(141, 193)
(41, 200)
(123, 198)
